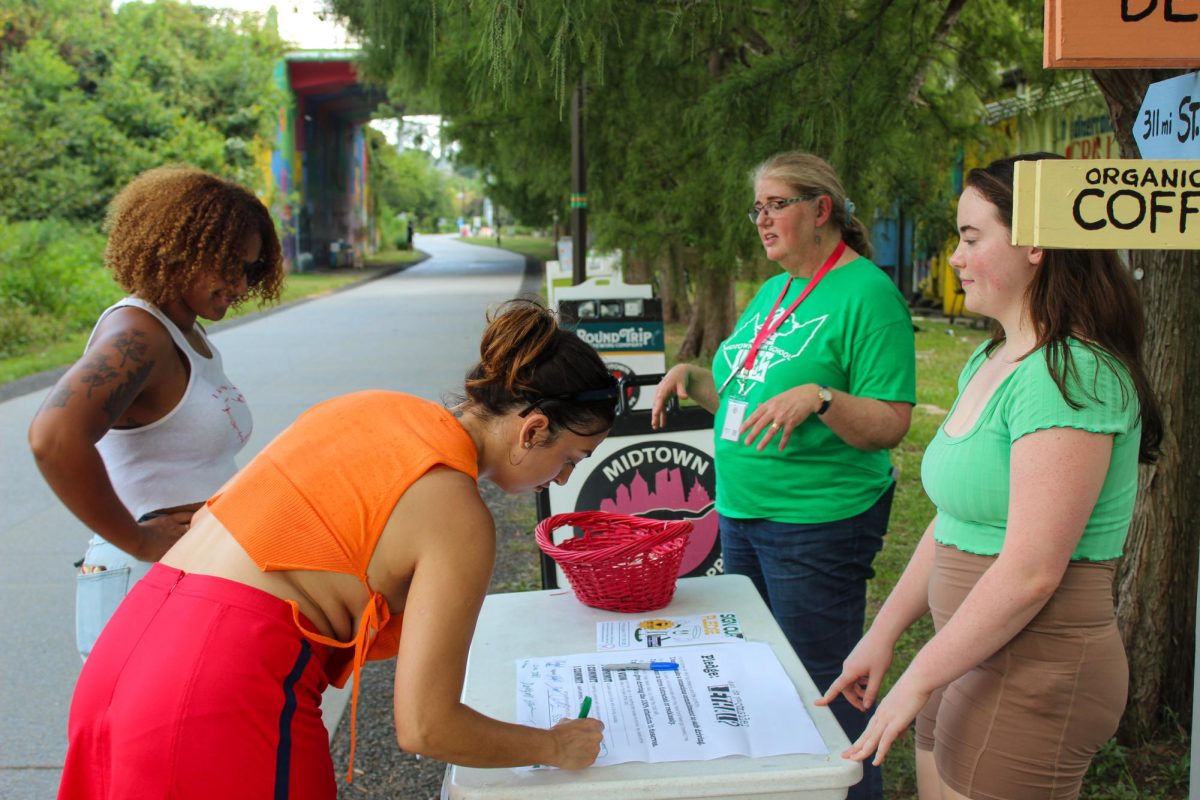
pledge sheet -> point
(728, 699)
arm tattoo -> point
(132, 347)
(123, 395)
(97, 373)
(58, 397)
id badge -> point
(734, 414)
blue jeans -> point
(814, 580)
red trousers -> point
(199, 687)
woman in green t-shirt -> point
(814, 384)
(1033, 474)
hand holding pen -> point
(577, 740)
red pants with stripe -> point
(199, 687)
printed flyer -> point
(716, 701)
(662, 631)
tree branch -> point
(953, 8)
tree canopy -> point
(684, 98)
(90, 97)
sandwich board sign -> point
(663, 474)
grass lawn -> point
(540, 247)
(298, 286)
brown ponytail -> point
(527, 362)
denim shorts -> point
(97, 594)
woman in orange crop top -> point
(364, 512)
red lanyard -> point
(772, 325)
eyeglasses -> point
(773, 207)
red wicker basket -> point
(621, 563)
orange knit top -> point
(318, 497)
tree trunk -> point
(1156, 579)
(638, 269)
(673, 289)
(712, 316)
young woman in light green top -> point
(1034, 474)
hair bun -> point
(519, 335)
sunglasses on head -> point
(612, 393)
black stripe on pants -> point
(283, 755)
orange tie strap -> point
(374, 617)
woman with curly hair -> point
(144, 427)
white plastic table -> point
(523, 624)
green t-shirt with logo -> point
(853, 333)
(967, 476)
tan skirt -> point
(1026, 722)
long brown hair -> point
(1087, 295)
(528, 362)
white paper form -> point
(667, 631)
(735, 699)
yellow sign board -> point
(1121, 34)
(1113, 204)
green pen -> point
(585, 707)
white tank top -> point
(188, 454)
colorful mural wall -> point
(317, 169)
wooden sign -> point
(1122, 34)
(1110, 204)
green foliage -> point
(684, 98)
(52, 282)
(90, 97)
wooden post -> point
(578, 189)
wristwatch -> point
(826, 398)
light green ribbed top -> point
(967, 476)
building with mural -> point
(317, 172)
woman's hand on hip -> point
(862, 674)
(781, 415)
(893, 716)
(158, 534)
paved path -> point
(416, 331)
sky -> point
(299, 21)
(301, 24)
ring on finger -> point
(774, 426)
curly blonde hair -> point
(172, 224)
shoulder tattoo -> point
(122, 395)
(132, 346)
(97, 372)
